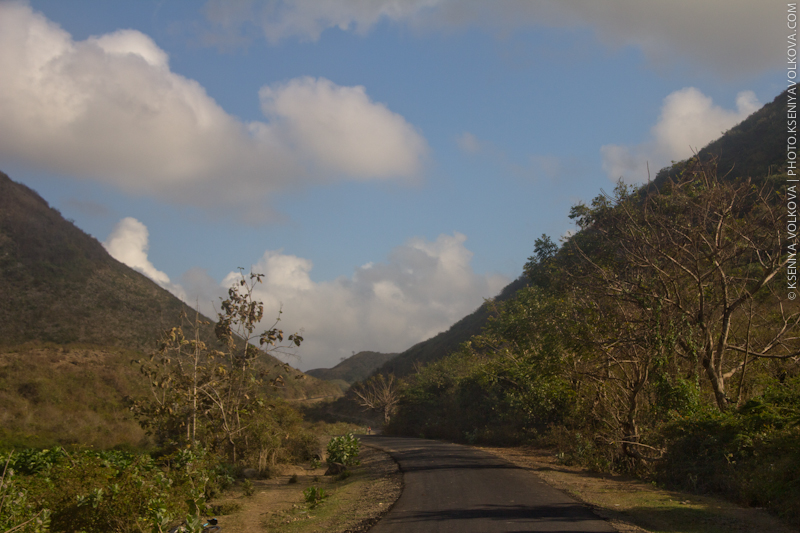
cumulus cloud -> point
(128, 243)
(422, 288)
(342, 130)
(110, 108)
(689, 120)
(730, 39)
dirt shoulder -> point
(354, 504)
(632, 505)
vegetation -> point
(379, 393)
(210, 412)
(655, 341)
(344, 450)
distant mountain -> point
(448, 341)
(354, 368)
(66, 303)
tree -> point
(695, 253)
(380, 393)
(199, 393)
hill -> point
(448, 341)
(66, 304)
(354, 368)
(754, 147)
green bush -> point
(751, 455)
(344, 450)
(106, 491)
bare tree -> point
(379, 393)
(699, 251)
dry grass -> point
(73, 394)
(354, 504)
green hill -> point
(71, 319)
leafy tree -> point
(210, 395)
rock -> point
(334, 469)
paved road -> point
(457, 489)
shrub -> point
(344, 450)
(314, 496)
(107, 491)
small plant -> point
(248, 488)
(344, 450)
(315, 463)
(314, 496)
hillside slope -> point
(60, 285)
(754, 148)
(66, 303)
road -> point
(450, 488)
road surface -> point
(450, 488)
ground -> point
(633, 505)
(354, 505)
(358, 502)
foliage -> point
(749, 454)
(106, 491)
(314, 496)
(215, 396)
(506, 385)
(344, 450)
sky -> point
(386, 164)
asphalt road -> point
(450, 488)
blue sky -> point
(386, 164)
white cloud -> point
(422, 288)
(342, 130)
(689, 120)
(128, 243)
(109, 108)
(730, 39)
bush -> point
(344, 450)
(314, 496)
(107, 491)
(751, 455)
